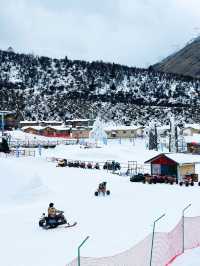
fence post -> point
(154, 224)
(79, 258)
(40, 149)
(183, 227)
(17, 151)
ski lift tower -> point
(3, 113)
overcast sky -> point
(131, 32)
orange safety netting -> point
(167, 246)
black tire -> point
(199, 184)
(144, 181)
(192, 183)
(96, 193)
(186, 184)
(181, 183)
(171, 182)
(154, 181)
(108, 192)
(42, 223)
(150, 181)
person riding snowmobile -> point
(53, 212)
(102, 186)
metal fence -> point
(43, 143)
(18, 153)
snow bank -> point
(17, 182)
(189, 258)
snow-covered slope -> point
(185, 61)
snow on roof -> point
(77, 120)
(194, 138)
(58, 127)
(25, 122)
(40, 121)
(33, 127)
(41, 128)
(195, 126)
(51, 121)
(110, 128)
(180, 158)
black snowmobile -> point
(49, 223)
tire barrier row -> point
(108, 165)
(188, 180)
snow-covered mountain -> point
(46, 88)
(185, 62)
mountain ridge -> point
(41, 87)
(184, 62)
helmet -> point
(51, 205)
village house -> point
(124, 131)
(49, 131)
(56, 131)
(32, 129)
(39, 123)
(190, 129)
(193, 143)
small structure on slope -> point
(177, 165)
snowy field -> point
(114, 223)
(190, 258)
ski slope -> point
(114, 223)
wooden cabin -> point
(56, 131)
(177, 165)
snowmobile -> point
(102, 190)
(96, 166)
(49, 223)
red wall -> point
(58, 135)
